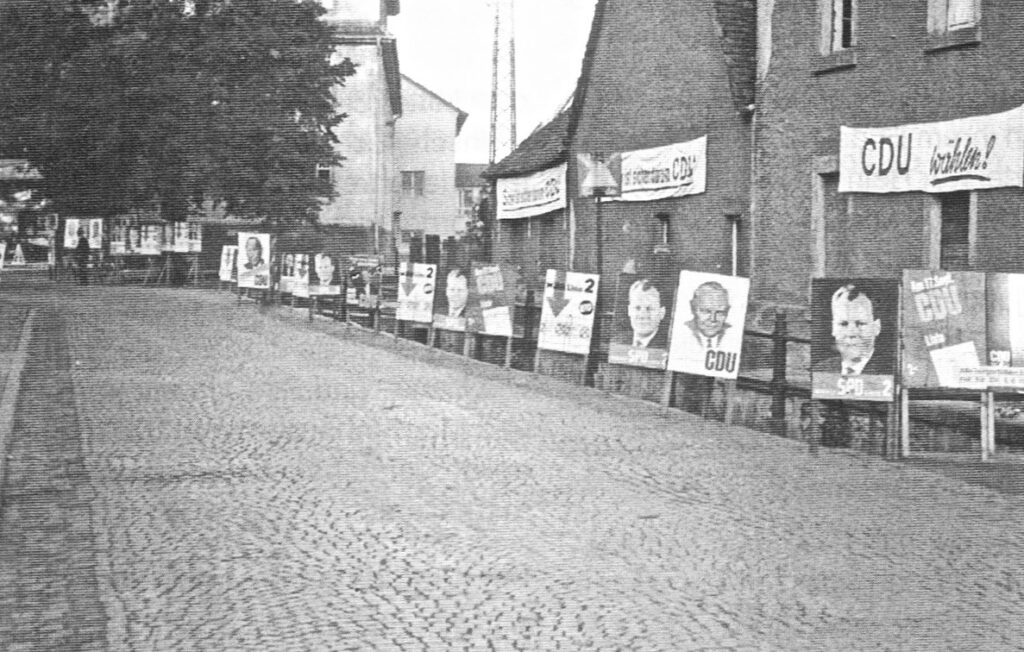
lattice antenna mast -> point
(503, 82)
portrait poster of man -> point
(299, 283)
(195, 237)
(567, 312)
(96, 233)
(168, 232)
(327, 276)
(707, 333)
(416, 283)
(453, 285)
(71, 226)
(180, 242)
(118, 239)
(149, 239)
(643, 310)
(286, 273)
(492, 297)
(253, 260)
(854, 336)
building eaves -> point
(392, 74)
(460, 114)
(542, 149)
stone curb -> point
(12, 386)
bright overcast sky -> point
(445, 45)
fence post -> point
(779, 373)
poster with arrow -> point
(416, 282)
(567, 314)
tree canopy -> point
(172, 105)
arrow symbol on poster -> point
(557, 303)
(408, 285)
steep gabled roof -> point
(541, 149)
(737, 32)
(392, 74)
(460, 114)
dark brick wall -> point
(895, 81)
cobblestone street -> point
(190, 473)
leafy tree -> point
(173, 105)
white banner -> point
(567, 315)
(968, 154)
(416, 292)
(673, 170)
(535, 194)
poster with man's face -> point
(452, 293)
(854, 336)
(643, 309)
(254, 260)
(150, 236)
(492, 296)
(364, 275)
(118, 239)
(180, 242)
(96, 233)
(287, 271)
(326, 276)
(299, 283)
(71, 226)
(168, 234)
(707, 333)
(416, 283)
(227, 263)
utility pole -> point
(503, 81)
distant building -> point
(372, 98)
(425, 161)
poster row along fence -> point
(930, 329)
(143, 239)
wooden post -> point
(668, 389)
(508, 351)
(779, 374)
(984, 426)
(990, 411)
(904, 422)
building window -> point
(323, 172)
(946, 16)
(838, 18)
(955, 231)
(413, 183)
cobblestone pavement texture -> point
(216, 476)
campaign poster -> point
(195, 237)
(149, 239)
(492, 297)
(453, 285)
(943, 326)
(168, 233)
(3, 253)
(364, 277)
(1002, 364)
(642, 310)
(327, 279)
(707, 331)
(286, 273)
(118, 239)
(180, 242)
(227, 263)
(416, 282)
(253, 260)
(854, 337)
(567, 312)
(71, 226)
(96, 233)
(299, 283)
